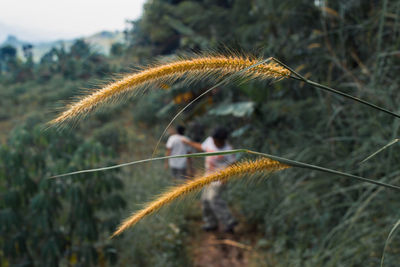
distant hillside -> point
(101, 42)
(6, 30)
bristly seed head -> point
(191, 69)
(245, 167)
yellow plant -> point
(189, 68)
(199, 68)
(225, 175)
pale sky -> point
(44, 20)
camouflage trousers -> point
(214, 207)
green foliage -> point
(147, 108)
(111, 136)
(44, 222)
(160, 240)
(348, 45)
(117, 49)
(7, 53)
(80, 62)
(303, 218)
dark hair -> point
(220, 133)
(180, 129)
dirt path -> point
(208, 249)
(214, 251)
(218, 249)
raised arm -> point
(195, 145)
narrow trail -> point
(207, 249)
(219, 249)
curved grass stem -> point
(289, 162)
(299, 77)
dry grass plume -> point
(188, 68)
(245, 167)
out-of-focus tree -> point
(117, 49)
(46, 222)
(8, 58)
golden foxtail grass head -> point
(245, 167)
(190, 69)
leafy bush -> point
(45, 222)
(111, 136)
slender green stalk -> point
(299, 164)
(289, 162)
(193, 155)
(329, 89)
(381, 149)
(389, 238)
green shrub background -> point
(302, 218)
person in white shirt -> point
(214, 207)
(175, 146)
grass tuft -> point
(190, 68)
(225, 175)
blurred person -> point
(214, 208)
(181, 168)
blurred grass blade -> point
(381, 149)
(389, 238)
(329, 89)
(292, 163)
(298, 164)
(193, 155)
